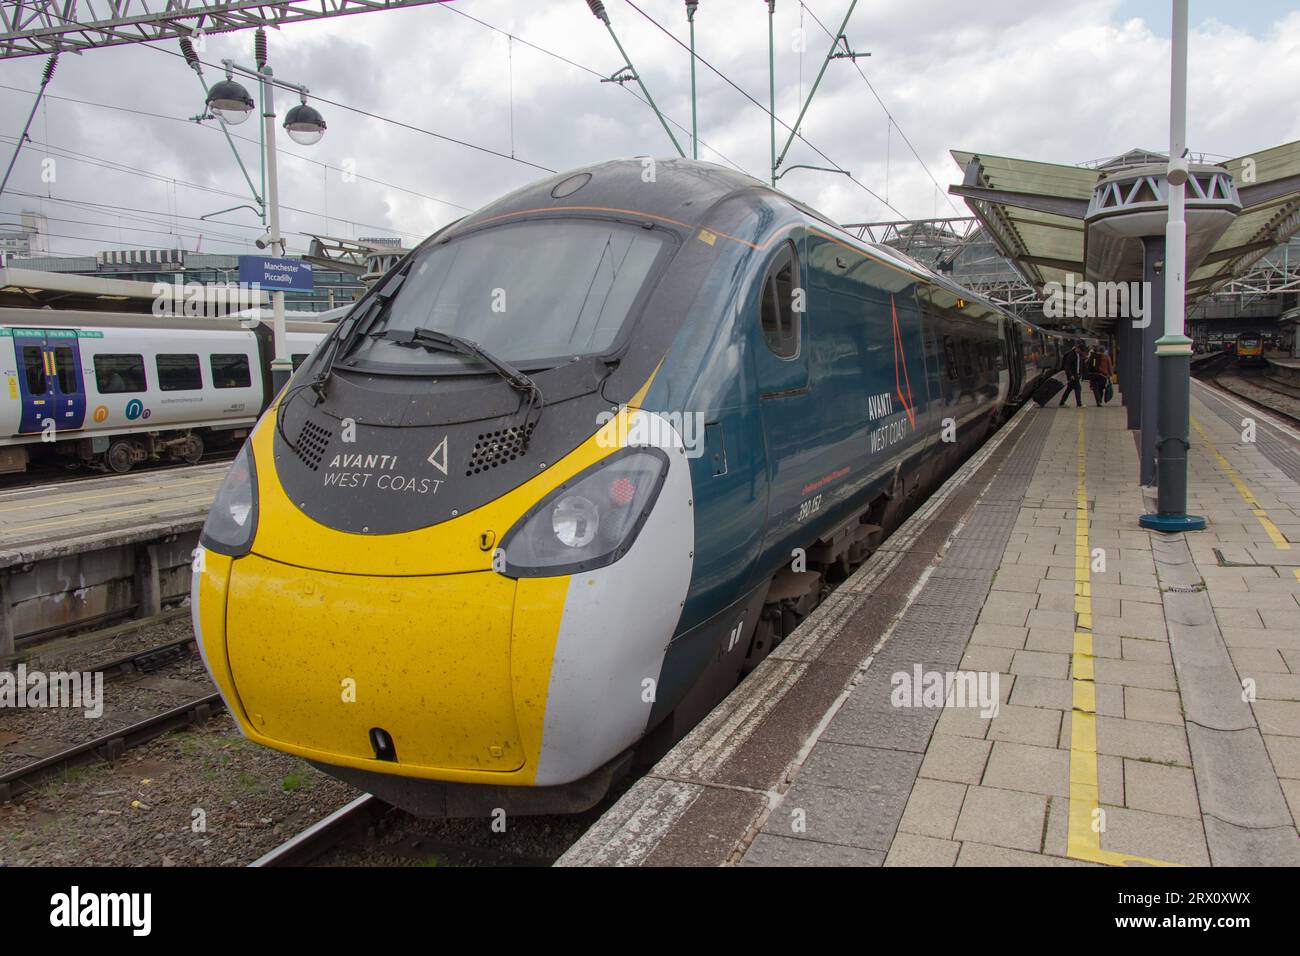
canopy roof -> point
(1035, 212)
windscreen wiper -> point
(348, 328)
(436, 341)
(352, 326)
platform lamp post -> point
(1174, 348)
(230, 101)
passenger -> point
(1073, 376)
(1100, 369)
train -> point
(1249, 349)
(571, 470)
(111, 390)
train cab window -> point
(298, 359)
(179, 373)
(966, 368)
(66, 369)
(34, 369)
(230, 371)
(779, 319)
(119, 373)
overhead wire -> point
(893, 122)
(767, 112)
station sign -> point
(282, 275)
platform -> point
(38, 517)
(1147, 686)
(79, 552)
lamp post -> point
(231, 103)
(1174, 348)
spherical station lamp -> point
(230, 101)
(304, 124)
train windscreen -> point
(525, 292)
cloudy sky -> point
(1067, 81)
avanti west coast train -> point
(112, 390)
(574, 467)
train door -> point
(69, 385)
(791, 419)
(49, 381)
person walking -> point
(1073, 376)
(1100, 369)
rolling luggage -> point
(1048, 390)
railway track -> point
(367, 822)
(59, 642)
(111, 745)
(1286, 404)
(108, 747)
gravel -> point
(204, 796)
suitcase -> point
(1109, 393)
(1048, 390)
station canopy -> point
(1035, 211)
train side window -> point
(179, 373)
(950, 357)
(119, 373)
(66, 369)
(230, 371)
(779, 319)
(34, 368)
(298, 359)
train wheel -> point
(192, 451)
(119, 457)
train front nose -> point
(415, 670)
(430, 654)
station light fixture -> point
(229, 100)
(304, 124)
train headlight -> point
(575, 521)
(232, 521)
(589, 521)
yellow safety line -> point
(36, 501)
(1083, 840)
(1279, 539)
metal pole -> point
(50, 64)
(598, 8)
(771, 80)
(1174, 348)
(695, 130)
(813, 92)
(188, 50)
(281, 365)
